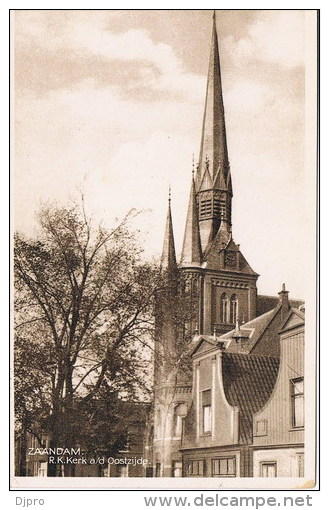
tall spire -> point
(213, 180)
(213, 141)
(191, 252)
(168, 259)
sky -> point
(111, 103)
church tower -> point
(220, 281)
(225, 281)
(172, 383)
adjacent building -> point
(278, 428)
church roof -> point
(248, 383)
(223, 242)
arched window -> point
(158, 424)
(179, 415)
(234, 309)
(224, 308)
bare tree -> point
(84, 298)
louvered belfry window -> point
(210, 205)
(205, 208)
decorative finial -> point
(215, 333)
(214, 15)
(283, 287)
(193, 165)
(169, 194)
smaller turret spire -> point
(192, 252)
(168, 259)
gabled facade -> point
(278, 428)
(227, 389)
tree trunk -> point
(21, 446)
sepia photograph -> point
(164, 249)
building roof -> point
(248, 383)
(295, 318)
(260, 336)
(198, 340)
(252, 330)
(266, 303)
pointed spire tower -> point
(213, 179)
(168, 258)
(192, 252)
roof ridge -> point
(244, 355)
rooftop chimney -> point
(284, 300)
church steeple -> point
(168, 259)
(192, 252)
(213, 180)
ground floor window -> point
(42, 470)
(224, 466)
(149, 472)
(122, 470)
(268, 469)
(158, 469)
(195, 467)
(177, 468)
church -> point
(225, 403)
